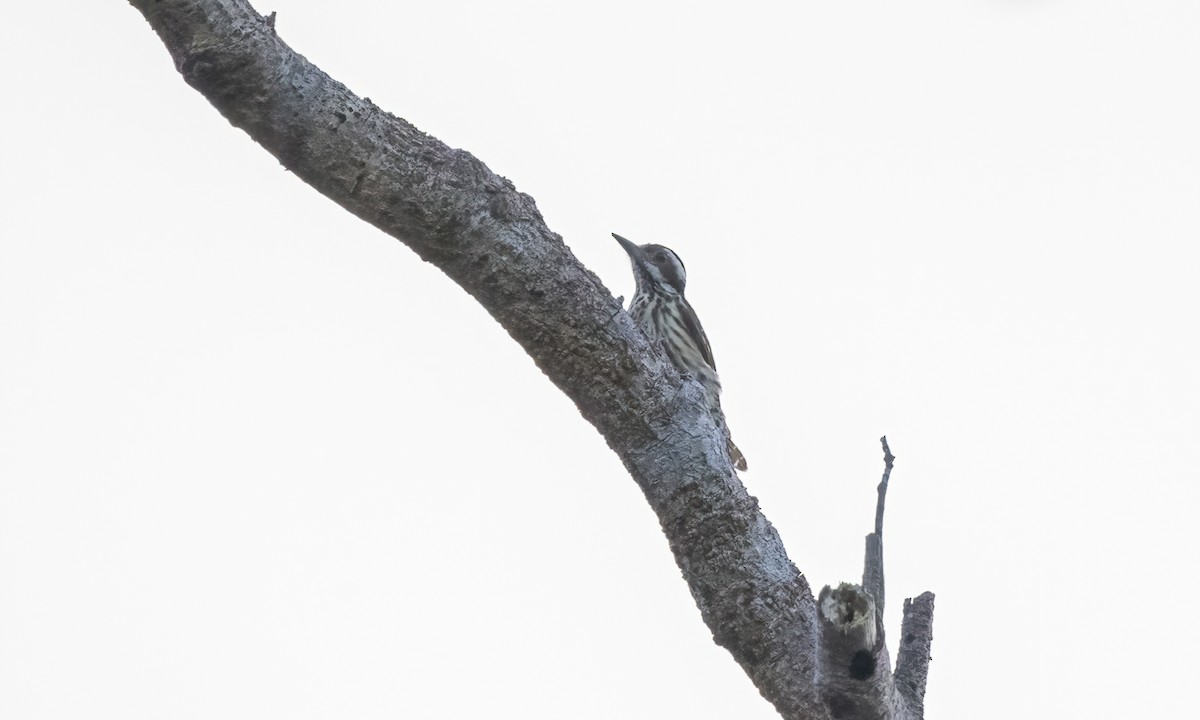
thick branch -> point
(912, 661)
(856, 678)
(490, 239)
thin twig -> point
(873, 560)
(888, 459)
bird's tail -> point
(739, 460)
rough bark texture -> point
(912, 662)
(490, 239)
(856, 678)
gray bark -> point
(912, 662)
(856, 680)
(873, 560)
(491, 240)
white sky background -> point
(258, 460)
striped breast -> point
(669, 319)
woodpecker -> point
(662, 312)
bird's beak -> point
(641, 271)
(635, 252)
(630, 248)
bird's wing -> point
(692, 324)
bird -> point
(664, 314)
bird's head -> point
(655, 265)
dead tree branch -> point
(474, 226)
(856, 679)
(873, 563)
(912, 662)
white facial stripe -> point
(674, 260)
